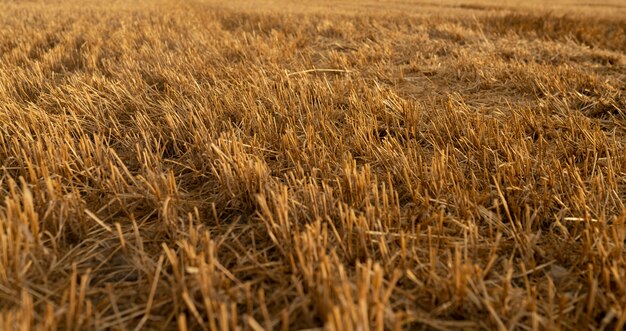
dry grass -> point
(381, 165)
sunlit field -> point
(320, 165)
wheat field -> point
(318, 165)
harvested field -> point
(321, 165)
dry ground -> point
(345, 165)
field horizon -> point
(312, 165)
